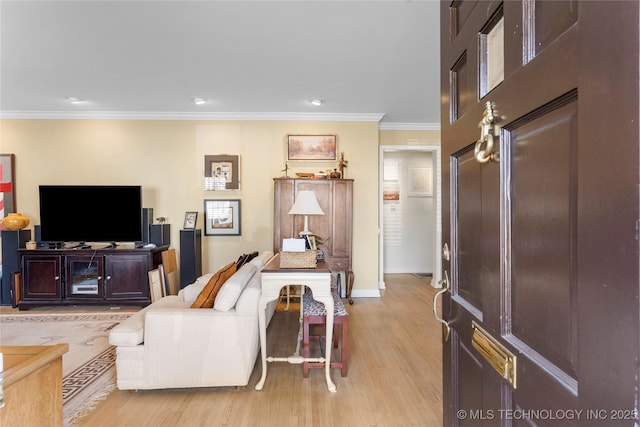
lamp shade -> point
(306, 204)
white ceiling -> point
(250, 59)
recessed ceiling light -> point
(317, 102)
(199, 101)
(74, 100)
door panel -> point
(543, 237)
(542, 229)
(468, 242)
(549, 19)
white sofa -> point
(170, 345)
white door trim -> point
(435, 149)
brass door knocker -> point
(484, 146)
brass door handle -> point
(445, 287)
(446, 253)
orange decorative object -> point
(15, 221)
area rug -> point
(87, 368)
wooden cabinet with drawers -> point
(335, 197)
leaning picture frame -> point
(221, 172)
(190, 219)
(222, 217)
(156, 285)
(312, 147)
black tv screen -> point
(90, 213)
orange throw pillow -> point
(208, 294)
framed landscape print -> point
(222, 217)
(312, 147)
(221, 172)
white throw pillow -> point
(190, 293)
(261, 259)
(233, 287)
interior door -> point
(540, 213)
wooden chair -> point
(170, 266)
(315, 315)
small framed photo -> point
(221, 173)
(310, 241)
(312, 147)
(190, 219)
(222, 217)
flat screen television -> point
(91, 213)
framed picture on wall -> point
(7, 184)
(221, 172)
(312, 147)
(222, 217)
(420, 182)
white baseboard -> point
(365, 293)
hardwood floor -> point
(394, 376)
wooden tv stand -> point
(111, 276)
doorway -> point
(409, 211)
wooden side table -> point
(32, 382)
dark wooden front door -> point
(543, 227)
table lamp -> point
(306, 204)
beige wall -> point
(409, 137)
(167, 159)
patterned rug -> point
(87, 368)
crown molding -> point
(410, 126)
(175, 115)
(144, 115)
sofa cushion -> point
(233, 287)
(248, 302)
(207, 297)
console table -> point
(274, 279)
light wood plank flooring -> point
(394, 378)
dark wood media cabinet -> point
(86, 276)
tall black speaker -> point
(147, 220)
(11, 242)
(38, 236)
(190, 256)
